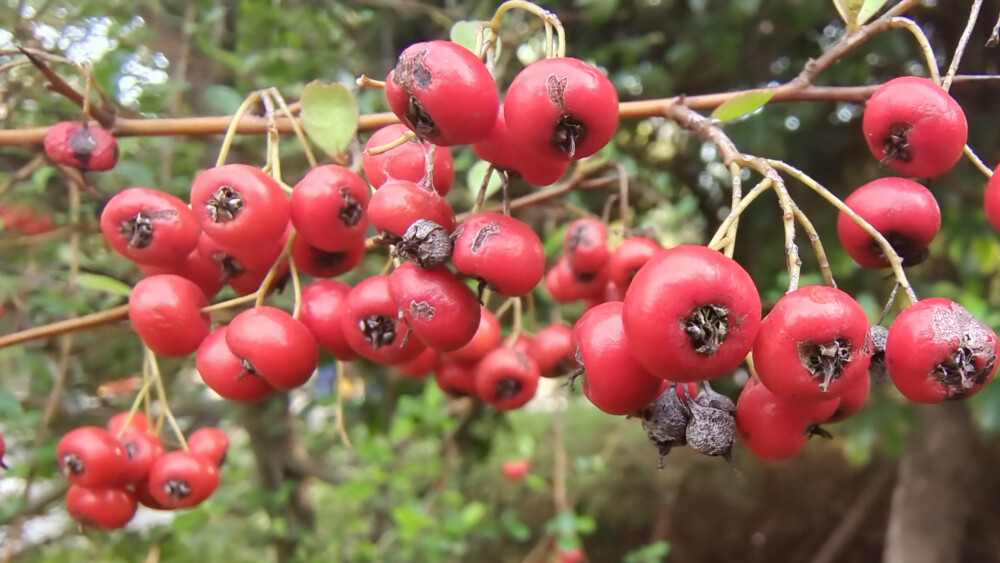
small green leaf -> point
(848, 10)
(742, 105)
(473, 513)
(869, 9)
(330, 115)
(95, 282)
(475, 177)
(9, 405)
(464, 33)
(222, 98)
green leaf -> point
(742, 105)
(869, 9)
(848, 10)
(222, 98)
(95, 282)
(473, 513)
(330, 115)
(9, 405)
(475, 177)
(464, 33)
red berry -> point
(208, 274)
(400, 203)
(566, 286)
(182, 479)
(486, 339)
(457, 379)
(86, 146)
(236, 261)
(553, 350)
(443, 92)
(906, 214)
(914, 127)
(323, 307)
(852, 401)
(320, 263)
(149, 227)
(487, 245)
(574, 555)
(225, 373)
(516, 470)
(628, 258)
(239, 206)
(774, 428)
(250, 280)
(586, 245)
(211, 443)
(372, 327)
(145, 498)
(407, 161)
(328, 207)
(613, 380)
(562, 108)
(422, 365)
(506, 379)
(101, 508)
(91, 457)
(507, 154)
(3, 450)
(691, 313)
(166, 312)
(937, 351)
(992, 200)
(440, 310)
(273, 345)
(141, 450)
(117, 423)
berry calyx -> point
(407, 161)
(488, 244)
(553, 351)
(149, 227)
(425, 243)
(586, 245)
(86, 146)
(372, 326)
(328, 207)
(239, 205)
(141, 450)
(165, 311)
(398, 204)
(273, 345)
(506, 379)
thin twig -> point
(956, 59)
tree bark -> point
(931, 502)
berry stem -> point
(341, 388)
(223, 305)
(141, 397)
(517, 324)
(726, 229)
(296, 287)
(736, 174)
(751, 368)
(623, 207)
(817, 244)
(481, 194)
(296, 126)
(365, 82)
(956, 59)
(922, 40)
(392, 144)
(547, 17)
(161, 392)
(87, 84)
(234, 121)
(265, 285)
(273, 138)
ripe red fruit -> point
(208, 274)
(250, 280)
(906, 214)
(992, 200)
(852, 401)
(937, 350)
(456, 379)
(506, 379)
(486, 339)
(91, 457)
(914, 127)
(422, 365)
(613, 380)
(328, 207)
(628, 258)
(273, 345)
(488, 244)
(320, 263)
(553, 350)
(225, 373)
(566, 286)
(371, 324)
(149, 226)
(116, 423)
(774, 428)
(86, 146)
(443, 92)
(440, 310)
(407, 161)
(813, 345)
(166, 312)
(691, 313)
(3, 450)
(323, 306)
(507, 154)
(145, 498)
(141, 450)
(239, 206)
(575, 555)
(586, 245)
(516, 470)
(399, 203)
(101, 508)
(562, 108)
(182, 479)
(235, 261)
(211, 443)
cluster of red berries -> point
(112, 470)
(24, 220)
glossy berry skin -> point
(141, 450)
(117, 423)
(438, 307)
(443, 92)
(489, 245)
(323, 306)
(507, 154)
(904, 211)
(629, 258)
(85, 146)
(211, 443)
(145, 498)
(774, 428)
(407, 161)
(992, 200)
(506, 379)
(166, 312)
(486, 339)
(914, 127)
(456, 379)
(91, 457)
(936, 350)
(852, 401)
(613, 380)
(320, 263)
(553, 351)
(400, 203)
(562, 108)
(234, 261)
(371, 325)
(328, 207)
(691, 314)
(149, 227)
(239, 206)
(586, 245)
(566, 286)
(225, 373)
(104, 508)
(182, 479)
(421, 366)
(274, 346)
(516, 470)
(206, 273)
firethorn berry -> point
(372, 327)
(937, 351)
(3, 450)
(457, 379)
(399, 203)
(86, 146)
(239, 206)
(101, 508)
(562, 108)
(876, 368)
(438, 307)
(225, 373)
(149, 227)
(422, 365)
(117, 423)
(182, 479)
(141, 450)
(553, 351)
(691, 313)
(507, 154)
(523, 344)
(486, 339)
(235, 261)
(443, 92)
(425, 243)
(613, 380)
(566, 286)
(91, 457)
(323, 306)
(320, 263)
(211, 443)
(628, 258)
(813, 345)
(328, 207)
(914, 127)
(906, 214)
(774, 428)
(407, 161)
(166, 312)
(273, 345)
(517, 469)
(992, 200)
(487, 247)
(852, 401)
(586, 245)
(250, 280)
(145, 498)
(572, 555)
(208, 274)
(666, 419)
(506, 379)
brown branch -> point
(99, 318)
(61, 87)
